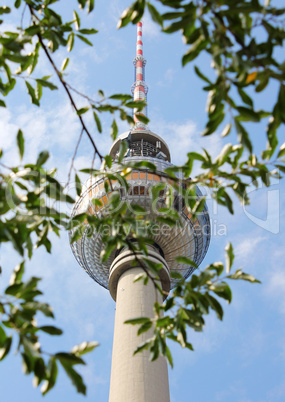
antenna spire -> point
(139, 87)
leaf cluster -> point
(242, 39)
(18, 309)
(27, 221)
(188, 305)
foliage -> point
(27, 221)
(188, 304)
(243, 48)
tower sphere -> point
(190, 239)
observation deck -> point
(190, 239)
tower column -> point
(134, 377)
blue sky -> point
(240, 359)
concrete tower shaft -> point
(135, 377)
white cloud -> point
(167, 78)
(276, 288)
(247, 247)
(183, 137)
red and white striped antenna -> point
(139, 87)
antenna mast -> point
(139, 88)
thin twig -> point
(138, 260)
(90, 100)
(73, 158)
(58, 73)
(22, 17)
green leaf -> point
(5, 10)
(97, 202)
(136, 104)
(281, 167)
(229, 257)
(47, 84)
(51, 330)
(145, 327)
(246, 114)
(154, 14)
(84, 347)
(176, 275)
(281, 151)
(31, 92)
(169, 356)
(77, 234)
(194, 50)
(108, 161)
(70, 42)
(223, 156)
(64, 64)
(243, 136)
(27, 363)
(142, 164)
(78, 185)
(122, 151)
(91, 5)
(42, 158)
(216, 266)
(69, 358)
(163, 322)
(138, 209)
(245, 98)
(17, 273)
(98, 122)
(186, 260)
(222, 290)
(40, 371)
(281, 102)
(121, 97)
(85, 40)
(226, 130)
(143, 346)
(42, 307)
(2, 103)
(135, 321)
(215, 305)
(213, 123)
(202, 76)
(242, 275)
(263, 82)
(5, 348)
(50, 382)
(76, 379)
(195, 155)
(14, 289)
(114, 130)
(199, 206)
(77, 20)
(82, 111)
(2, 336)
(142, 118)
(21, 143)
(88, 31)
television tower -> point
(135, 377)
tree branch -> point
(65, 85)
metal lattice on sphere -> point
(191, 239)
